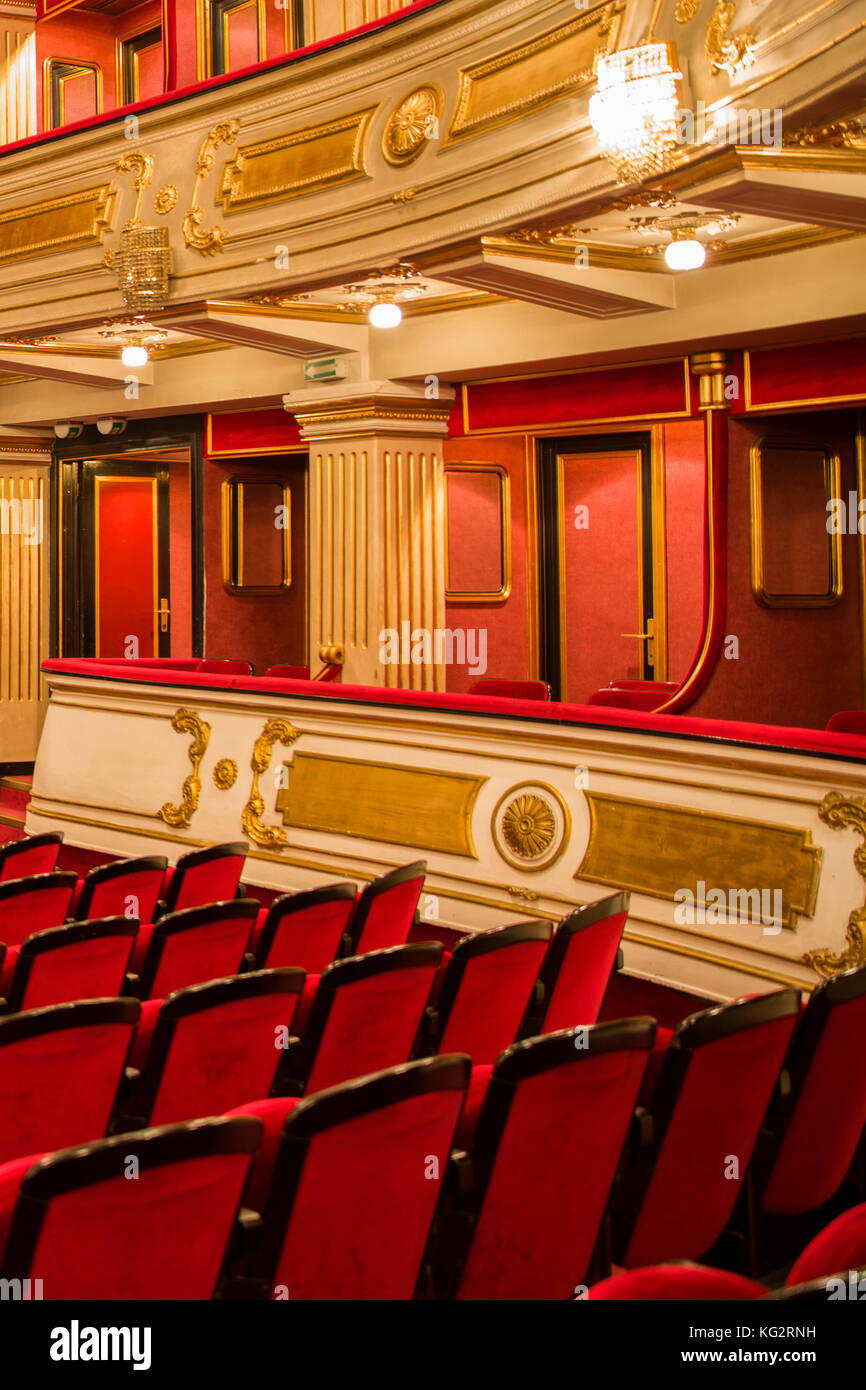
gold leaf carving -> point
(210, 241)
(841, 812)
(275, 731)
(186, 721)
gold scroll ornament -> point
(840, 812)
(275, 731)
(186, 721)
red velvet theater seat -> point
(82, 960)
(385, 910)
(578, 966)
(619, 698)
(840, 1247)
(546, 1152)
(303, 929)
(205, 876)
(367, 1015)
(189, 947)
(716, 1083)
(847, 721)
(225, 668)
(511, 690)
(686, 1282)
(29, 905)
(356, 1182)
(87, 1231)
(215, 1046)
(820, 1121)
(487, 986)
(128, 887)
(36, 854)
(60, 1070)
(290, 673)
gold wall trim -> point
(275, 731)
(304, 161)
(832, 489)
(211, 241)
(555, 64)
(841, 812)
(379, 801)
(503, 593)
(58, 224)
(186, 721)
(659, 849)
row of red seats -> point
(360, 1194)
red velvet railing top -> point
(179, 93)
(775, 736)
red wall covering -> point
(796, 666)
(808, 373)
(181, 559)
(685, 476)
(239, 431)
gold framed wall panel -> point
(81, 65)
(304, 161)
(832, 488)
(232, 510)
(70, 222)
(381, 801)
(503, 593)
(659, 850)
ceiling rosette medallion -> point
(531, 826)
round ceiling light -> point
(385, 314)
(685, 253)
(134, 355)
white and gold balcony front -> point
(456, 142)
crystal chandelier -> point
(142, 268)
(635, 111)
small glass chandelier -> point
(635, 111)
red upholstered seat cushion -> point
(47, 905)
(578, 991)
(491, 1000)
(93, 969)
(685, 1282)
(308, 939)
(654, 1066)
(302, 1016)
(128, 895)
(390, 917)
(840, 1247)
(273, 1114)
(208, 951)
(7, 971)
(478, 1083)
(139, 950)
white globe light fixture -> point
(385, 314)
(134, 355)
(685, 252)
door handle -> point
(162, 613)
(649, 638)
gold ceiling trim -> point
(304, 161)
(394, 805)
(67, 223)
(558, 63)
(659, 850)
(609, 256)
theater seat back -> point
(306, 929)
(368, 1012)
(217, 1045)
(827, 1105)
(60, 1069)
(131, 888)
(329, 1238)
(36, 854)
(195, 945)
(82, 960)
(487, 987)
(716, 1084)
(205, 876)
(29, 905)
(549, 1139)
(511, 690)
(580, 962)
(385, 911)
(89, 1232)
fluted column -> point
(377, 530)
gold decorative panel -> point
(56, 224)
(659, 850)
(842, 812)
(376, 801)
(304, 161)
(556, 64)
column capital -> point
(710, 369)
(365, 408)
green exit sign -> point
(325, 369)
